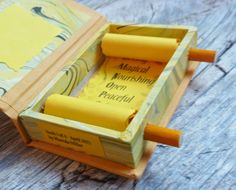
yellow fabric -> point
(23, 36)
(86, 111)
(122, 82)
(139, 47)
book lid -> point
(38, 38)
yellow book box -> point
(93, 91)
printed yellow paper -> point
(71, 138)
(122, 82)
(23, 35)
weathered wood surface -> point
(207, 114)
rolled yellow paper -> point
(94, 113)
(139, 47)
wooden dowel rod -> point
(202, 55)
(162, 135)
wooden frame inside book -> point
(107, 94)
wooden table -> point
(207, 113)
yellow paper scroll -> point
(90, 112)
(23, 35)
(119, 87)
(139, 47)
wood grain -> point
(207, 114)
